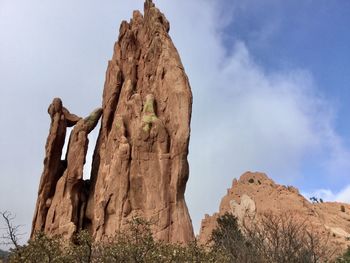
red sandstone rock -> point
(53, 166)
(62, 193)
(140, 163)
(67, 206)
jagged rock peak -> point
(140, 165)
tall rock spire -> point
(140, 165)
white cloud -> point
(343, 195)
(328, 195)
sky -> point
(270, 82)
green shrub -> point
(227, 239)
(40, 249)
(135, 245)
(345, 258)
(277, 238)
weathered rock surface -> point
(254, 194)
(67, 207)
(62, 192)
(53, 165)
(140, 163)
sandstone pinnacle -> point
(140, 166)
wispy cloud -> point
(247, 116)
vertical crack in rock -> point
(140, 165)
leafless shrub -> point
(12, 234)
(289, 238)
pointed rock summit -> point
(140, 166)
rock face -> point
(140, 166)
(67, 207)
(62, 200)
(54, 167)
(140, 163)
(255, 194)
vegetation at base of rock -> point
(277, 238)
(229, 240)
(134, 245)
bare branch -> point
(12, 232)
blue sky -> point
(288, 34)
(270, 83)
(311, 35)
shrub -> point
(228, 239)
(345, 258)
(342, 208)
(275, 238)
(287, 238)
(135, 245)
(40, 249)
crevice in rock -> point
(66, 142)
(93, 137)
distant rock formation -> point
(140, 163)
(255, 194)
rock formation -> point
(67, 206)
(255, 194)
(61, 202)
(140, 166)
(54, 167)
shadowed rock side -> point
(140, 163)
(254, 195)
